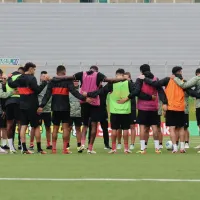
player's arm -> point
(193, 93)
(4, 95)
(74, 92)
(15, 83)
(157, 83)
(189, 84)
(102, 91)
(135, 91)
(141, 95)
(162, 95)
(47, 95)
(35, 87)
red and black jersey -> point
(28, 90)
(59, 90)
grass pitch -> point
(101, 165)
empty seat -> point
(10, 1)
(31, 1)
(126, 1)
(163, 1)
(184, 1)
(50, 1)
(70, 1)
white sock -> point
(142, 144)
(3, 142)
(156, 142)
(175, 147)
(182, 145)
(10, 143)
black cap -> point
(145, 68)
(197, 71)
(176, 69)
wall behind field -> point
(111, 35)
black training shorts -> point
(90, 113)
(120, 121)
(175, 118)
(147, 118)
(29, 117)
(59, 117)
(12, 112)
(46, 117)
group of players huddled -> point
(82, 100)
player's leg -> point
(34, 122)
(182, 139)
(56, 124)
(10, 121)
(147, 130)
(85, 114)
(95, 118)
(47, 123)
(125, 125)
(32, 136)
(78, 124)
(104, 126)
(92, 138)
(4, 139)
(187, 134)
(114, 126)
(119, 138)
(3, 133)
(66, 137)
(156, 138)
(132, 127)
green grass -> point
(101, 165)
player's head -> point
(43, 75)
(29, 68)
(94, 68)
(21, 70)
(61, 70)
(177, 70)
(145, 68)
(1, 73)
(76, 83)
(127, 75)
(120, 73)
(197, 72)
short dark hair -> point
(176, 69)
(28, 66)
(61, 69)
(145, 68)
(21, 68)
(128, 74)
(120, 71)
(197, 71)
(1, 71)
(43, 72)
(94, 67)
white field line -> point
(99, 180)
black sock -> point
(78, 144)
(19, 139)
(68, 145)
(186, 142)
(146, 143)
(24, 147)
(39, 146)
(177, 142)
(160, 143)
